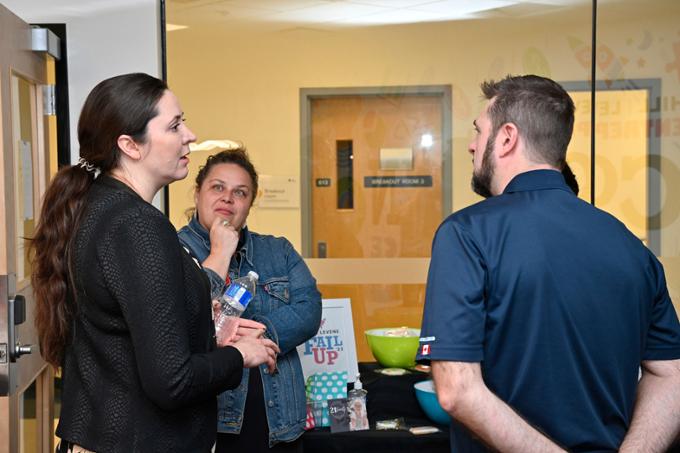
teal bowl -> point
(428, 402)
(394, 351)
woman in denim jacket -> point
(267, 411)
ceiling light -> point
(426, 141)
(214, 145)
(173, 27)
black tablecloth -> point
(388, 397)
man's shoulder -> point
(493, 206)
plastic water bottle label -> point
(239, 294)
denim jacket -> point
(288, 302)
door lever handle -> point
(21, 349)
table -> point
(388, 397)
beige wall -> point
(243, 83)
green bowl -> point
(393, 351)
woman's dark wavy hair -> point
(570, 178)
(121, 105)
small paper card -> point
(337, 410)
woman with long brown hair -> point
(121, 307)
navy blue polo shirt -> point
(558, 301)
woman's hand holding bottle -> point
(249, 328)
(233, 329)
(256, 351)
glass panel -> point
(640, 48)
(22, 133)
(621, 179)
(28, 420)
(405, 46)
(345, 174)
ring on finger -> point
(225, 223)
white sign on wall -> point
(333, 347)
(278, 192)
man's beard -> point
(481, 180)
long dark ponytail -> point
(121, 105)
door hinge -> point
(49, 100)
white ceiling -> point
(335, 13)
(36, 11)
(327, 13)
(285, 14)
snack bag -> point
(326, 386)
(309, 421)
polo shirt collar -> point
(537, 180)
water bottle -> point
(238, 294)
(234, 302)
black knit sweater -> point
(141, 371)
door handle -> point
(17, 316)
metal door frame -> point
(307, 95)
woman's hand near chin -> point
(223, 237)
(223, 243)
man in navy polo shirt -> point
(540, 308)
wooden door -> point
(25, 379)
(376, 193)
